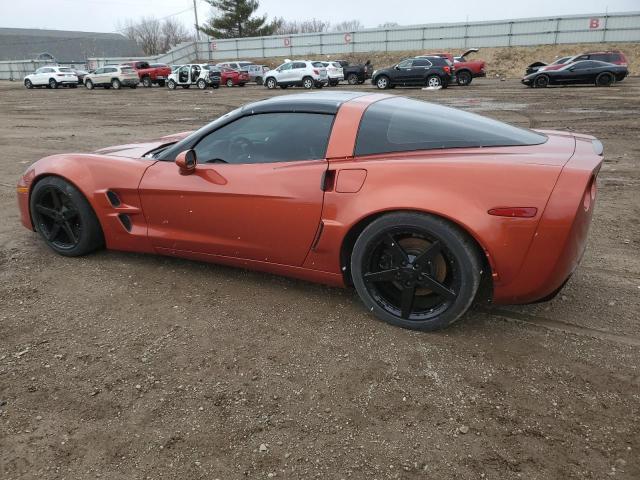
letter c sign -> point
(347, 38)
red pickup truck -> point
(465, 70)
(158, 73)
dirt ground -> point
(123, 366)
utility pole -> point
(195, 12)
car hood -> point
(138, 150)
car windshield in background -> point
(401, 124)
(66, 70)
(127, 70)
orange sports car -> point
(414, 204)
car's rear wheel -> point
(604, 80)
(202, 84)
(229, 83)
(541, 81)
(64, 217)
(171, 85)
(115, 84)
(382, 82)
(352, 79)
(434, 81)
(415, 271)
(259, 81)
(464, 78)
(308, 83)
(146, 82)
(271, 83)
(28, 84)
(53, 83)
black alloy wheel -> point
(415, 271)
(605, 79)
(541, 81)
(352, 79)
(464, 78)
(64, 218)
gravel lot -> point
(124, 366)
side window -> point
(583, 65)
(405, 63)
(299, 65)
(422, 62)
(40, 70)
(268, 138)
(285, 66)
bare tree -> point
(348, 26)
(155, 36)
(313, 25)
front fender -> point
(94, 176)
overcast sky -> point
(106, 15)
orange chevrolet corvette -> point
(414, 204)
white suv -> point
(335, 72)
(51, 77)
(302, 73)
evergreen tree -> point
(234, 19)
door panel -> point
(268, 211)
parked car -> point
(335, 72)
(297, 73)
(355, 74)
(612, 56)
(465, 70)
(256, 73)
(150, 75)
(80, 74)
(236, 65)
(231, 77)
(408, 202)
(199, 74)
(52, 77)
(581, 72)
(415, 71)
(112, 76)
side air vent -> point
(126, 221)
(113, 197)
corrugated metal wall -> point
(595, 28)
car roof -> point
(318, 102)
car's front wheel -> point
(115, 84)
(541, 81)
(53, 83)
(434, 81)
(202, 84)
(308, 83)
(464, 78)
(146, 82)
(229, 83)
(171, 85)
(415, 270)
(271, 83)
(64, 217)
(382, 82)
(28, 84)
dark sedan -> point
(419, 71)
(587, 72)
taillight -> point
(317, 72)
(520, 212)
(60, 74)
(447, 69)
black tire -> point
(202, 84)
(259, 81)
(88, 84)
(216, 85)
(605, 79)
(333, 83)
(352, 79)
(171, 85)
(415, 270)
(161, 83)
(541, 81)
(115, 84)
(308, 83)
(28, 84)
(382, 82)
(434, 81)
(464, 78)
(53, 83)
(64, 218)
(271, 83)
(229, 82)
(146, 82)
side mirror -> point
(187, 162)
(397, 67)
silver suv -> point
(300, 73)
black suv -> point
(425, 71)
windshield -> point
(65, 70)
